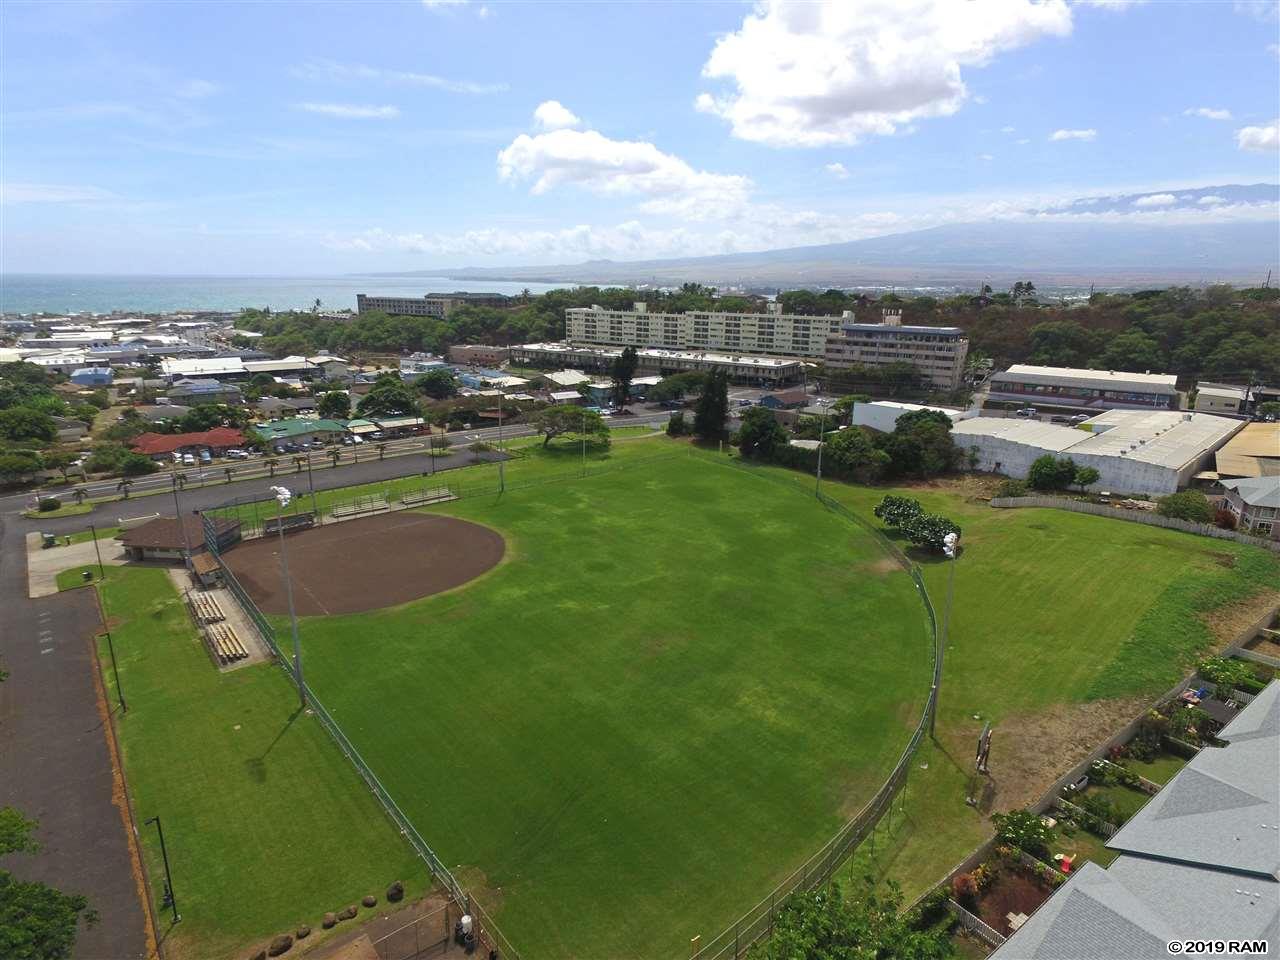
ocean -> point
(70, 293)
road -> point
(357, 464)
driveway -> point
(44, 565)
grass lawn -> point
(267, 825)
(104, 533)
(678, 685)
(1082, 844)
(1159, 769)
(66, 510)
(1126, 801)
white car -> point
(188, 460)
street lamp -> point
(951, 547)
(822, 432)
(177, 509)
(584, 441)
(102, 571)
(502, 477)
(170, 900)
(283, 497)
(311, 483)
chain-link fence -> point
(423, 937)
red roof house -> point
(159, 444)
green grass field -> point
(267, 824)
(680, 682)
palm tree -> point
(382, 450)
(315, 307)
(272, 463)
(335, 454)
(79, 494)
(123, 488)
(180, 480)
(297, 464)
(227, 471)
(525, 295)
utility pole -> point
(312, 484)
(182, 524)
(502, 476)
(951, 547)
(170, 900)
(102, 572)
(822, 432)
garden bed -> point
(1012, 888)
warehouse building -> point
(1085, 389)
(883, 415)
(1253, 452)
(1153, 452)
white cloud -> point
(1209, 113)
(985, 156)
(592, 161)
(333, 71)
(196, 89)
(1258, 9)
(1110, 4)
(1156, 200)
(554, 115)
(352, 111)
(1023, 142)
(1089, 134)
(1007, 129)
(1259, 139)
(1274, 49)
(1210, 200)
(444, 4)
(837, 170)
(809, 74)
(11, 193)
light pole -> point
(584, 441)
(502, 476)
(822, 432)
(170, 900)
(182, 525)
(283, 496)
(311, 483)
(102, 571)
(951, 547)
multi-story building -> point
(414, 366)
(1086, 389)
(938, 353)
(763, 370)
(438, 305)
(479, 354)
(773, 334)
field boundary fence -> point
(757, 923)
(488, 931)
(423, 936)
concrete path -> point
(56, 757)
(44, 565)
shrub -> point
(1050, 473)
(897, 511)
(929, 530)
(1023, 829)
(480, 446)
(677, 426)
(137, 465)
(1188, 723)
(1188, 505)
(964, 889)
(1229, 672)
(1100, 808)
(1012, 488)
(1224, 518)
(48, 504)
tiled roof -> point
(153, 443)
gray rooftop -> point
(1256, 491)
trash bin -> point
(86, 575)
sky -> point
(290, 138)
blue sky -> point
(295, 138)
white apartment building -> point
(774, 333)
(938, 353)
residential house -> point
(92, 376)
(194, 392)
(1255, 503)
(162, 446)
(300, 430)
(278, 408)
(787, 400)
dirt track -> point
(366, 564)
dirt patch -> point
(387, 919)
(880, 568)
(1014, 890)
(1030, 751)
(1266, 647)
(1229, 623)
(972, 486)
(366, 564)
(1224, 560)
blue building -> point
(92, 377)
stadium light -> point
(283, 498)
(951, 547)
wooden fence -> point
(1150, 518)
(976, 925)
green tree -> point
(677, 426)
(25, 423)
(1269, 409)
(1133, 351)
(760, 435)
(928, 530)
(1188, 505)
(59, 459)
(870, 924)
(713, 408)
(37, 922)
(388, 397)
(567, 418)
(334, 405)
(854, 455)
(137, 465)
(1050, 473)
(677, 385)
(438, 384)
(921, 445)
(623, 372)
(1024, 830)
(18, 465)
(1086, 477)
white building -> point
(883, 415)
(756, 369)
(1086, 389)
(1220, 398)
(1153, 452)
(412, 367)
(773, 333)
(938, 353)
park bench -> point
(356, 508)
(419, 497)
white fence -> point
(1148, 517)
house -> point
(300, 430)
(563, 379)
(69, 429)
(165, 539)
(415, 365)
(162, 446)
(92, 376)
(194, 392)
(277, 408)
(1255, 503)
(330, 367)
(162, 412)
(787, 400)
(1202, 855)
(567, 396)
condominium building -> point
(752, 369)
(938, 353)
(774, 333)
(438, 305)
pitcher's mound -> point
(365, 564)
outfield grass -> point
(678, 685)
(267, 825)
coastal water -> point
(70, 293)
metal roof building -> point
(1201, 860)
(1086, 389)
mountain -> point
(1111, 241)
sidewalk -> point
(44, 565)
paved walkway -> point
(44, 565)
(55, 757)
